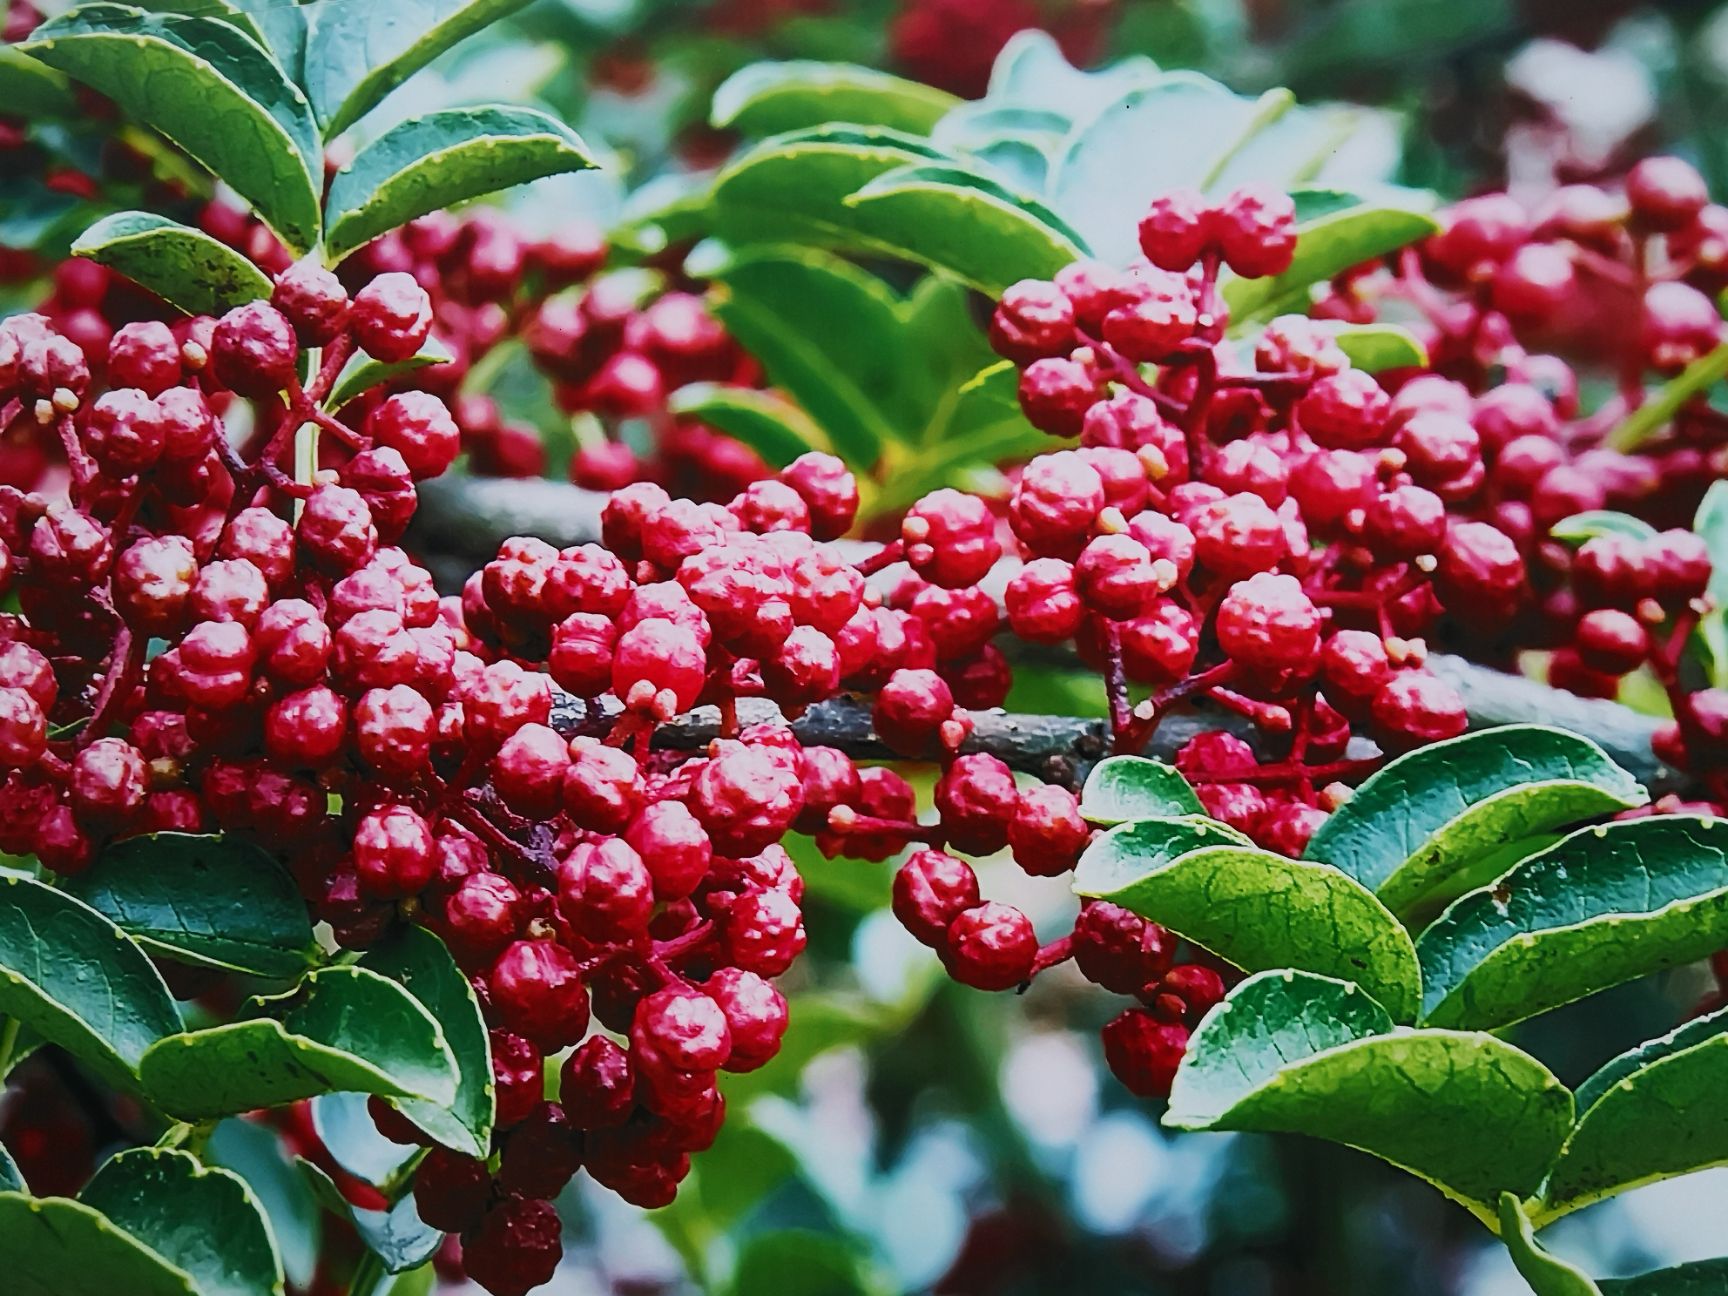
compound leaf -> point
(442, 159)
(1415, 830)
(1290, 1052)
(343, 1028)
(79, 981)
(1254, 908)
(205, 1221)
(1599, 907)
(215, 901)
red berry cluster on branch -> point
(208, 642)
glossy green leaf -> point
(765, 421)
(75, 978)
(227, 11)
(1290, 147)
(977, 124)
(1373, 347)
(344, 1028)
(1665, 402)
(439, 160)
(1325, 247)
(1032, 72)
(1547, 1275)
(984, 427)
(284, 30)
(1601, 906)
(1254, 908)
(945, 351)
(358, 53)
(1652, 1113)
(398, 1236)
(1288, 1052)
(1578, 528)
(418, 961)
(1700, 1278)
(50, 1246)
(30, 88)
(215, 901)
(210, 89)
(362, 373)
(827, 333)
(1417, 830)
(966, 223)
(254, 1152)
(183, 266)
(792, 188)
(1123, 788)
(204, 1220)
(1174, 133)
(344, 1125)
(11, 1178)
(768, 98)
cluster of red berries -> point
(1271, 534)
(1624, 278)
(612, 344)
(207, 643)
(953, 44)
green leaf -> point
(1700, 1278)
(767, 98)
(1325, 247)
(284, 30)
(210, 900)
(1171, 134)
(793, 188)
(183, 266)
(1650, 1114)
(253, 1152)
(358, 53)
(964, 222)
(798, 1262)
(398, 1236)
(1665, 402)
(945, 350)
(1122, 788)
(442, 159)
(1602, 906)
(211, 90)
(1373, 347)
(418, 961)
(985, 429)
(50, 1246)
(362, 373)
(1288, 1052)
(344, 1028)
(765, 421)
(206, 1221)
(1031, 72)
(75, 978)
(1253, 908)
(978, 124)
(1711, 524)
(343, 1123)
(30, 88)
(1290, 146)
(827, 333)
(1546, 1274)
(228, 12)
(1416, 830)
(11, 1178)
(1578, 528)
